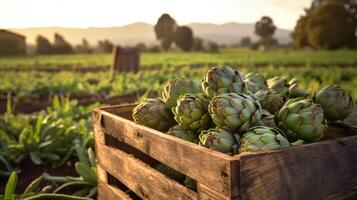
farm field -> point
(242, 57)
(35, 138)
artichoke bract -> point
(154, 114)
(177, 87)
(191, 112)
(264, 138)
(294, 90)
(255, 82)
(219, 140)
(181, 133)
(302, 119)
(270, 100)
(335, 101)
(267, 119)
(278, 85)
(234, 112)
(223, 80)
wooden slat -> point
(312, 171)
(183, 156)
(107, 192)
(145, 181)
(344, 195)
(207, 193)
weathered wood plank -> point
(139, 177)
(107, 192)
(344, 195)
(312, 171)
(207, 193)
(165, 148)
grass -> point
(226, 56)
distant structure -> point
(125, 59)
(12, 43)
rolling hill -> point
(227, 33)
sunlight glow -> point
(104, 13)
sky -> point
(109, 13)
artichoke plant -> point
(177, 87)
(234, 112)
(302, 119)
(181, 133)
(154, 114)
(294, 90)
(270, 100)
(255, 82)
(278, 85)
(223, 80)
(219, 140)
(335, 101)
(264, 138)
(191, 112)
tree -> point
(105, 46)
(197, 44)
(43, 46)
(331, 26)
(84, 47)
(141, 46)
(300, 33)
(246, 42)
(165, 31)
(184, 38)
(61, 46)
(265, 28)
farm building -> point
(12, 43)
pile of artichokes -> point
(232, 113)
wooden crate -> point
(127, 152)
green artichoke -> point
(295, 91)
(335, 101)
(154, 114)
(302, 119)
(264, 138)
(278, 85)
(255, 82)
(181, 133)
(234, 112)
(267, 119)
(270, 100)
(219, 140)
(191, 112)
(177, 87)
(223, 80)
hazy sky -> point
(102, 13)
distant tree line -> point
(327, 24)
(168, 32)
(61, 46)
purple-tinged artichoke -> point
(219, 140)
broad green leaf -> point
(35, 158)
(10, 187)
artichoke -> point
(270, 100)
(278, 85)
(255, 82)
(335, 101)
(234, 112)
(177, 87)
(181, 133)
(223, 80)
(219, 140)
(264, 138)
(267, 119)
(302, 119)
(191, 112)
(294, 90)
(154, 114)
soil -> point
(29, 172)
